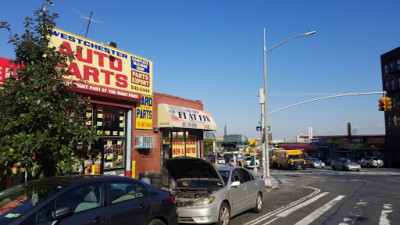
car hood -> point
(191, 168)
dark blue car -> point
(87, 200)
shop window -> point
(109, 121)
(184, 144)
(114, 154)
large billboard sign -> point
(106, 71)
(5, 69)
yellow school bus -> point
(291, 159)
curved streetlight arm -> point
(283, 42)
(265, 155)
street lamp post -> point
(266, 174)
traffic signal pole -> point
(328, 97)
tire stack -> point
(157, 180)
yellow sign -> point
(144, 113)
(107, 71)
(191, 146)
(178, 147)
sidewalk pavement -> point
(274, 181)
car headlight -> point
(203, 201)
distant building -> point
(334, 146)
(390, 63)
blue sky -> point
(212, 50)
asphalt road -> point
(325, 196)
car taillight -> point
(172, 198)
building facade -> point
(177, 129)
(390, 65)
(335, 146)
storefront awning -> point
(179, 117)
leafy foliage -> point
(208, 146)
(41, 124)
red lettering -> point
(122, 80)
(65, 46)
(91, 71)
(118, 67)
(101, 58)
(74, 70)
(89, 58)
(107, 74)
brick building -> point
(390, 63)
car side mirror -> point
(235, 183)
(62, 213)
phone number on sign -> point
(190, 125)
(140, 89)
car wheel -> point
(224, 214)
(259, 203)
(156, 222)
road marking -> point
(314, 215)
(387, 209)
(355, 215)
(283, 208)
(309, 201)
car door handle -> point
(100, 219)
(143, 206)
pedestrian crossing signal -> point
(382, 105)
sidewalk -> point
(274, 181)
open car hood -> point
(191, 168)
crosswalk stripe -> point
(314, 215)
(383, 220)
(301, 205)
(276, 211)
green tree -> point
(42, 128)
(208, 146)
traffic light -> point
(388, 104)
(382, 105)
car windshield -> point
(18, 200)
(225, 175)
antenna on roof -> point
(89, 19)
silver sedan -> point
(345, 164)
(205, 195)
(315, 163)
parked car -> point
(206, 195)
(370, 161)
(210, 158)
(86, 200)
(221, 160)
(252, 166)
(314, 163)
(328, 162)
(345, 164)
